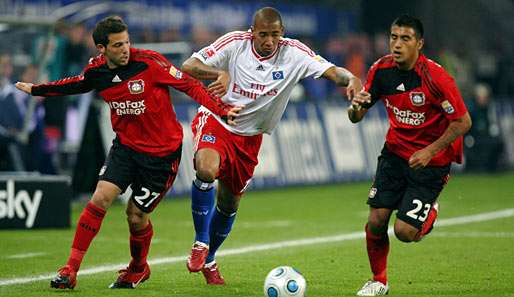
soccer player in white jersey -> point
(256, 69)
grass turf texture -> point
(474, 259)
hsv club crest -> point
(136, 86)
(417, 98)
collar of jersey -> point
(259, 57)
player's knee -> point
(206, 174)
(206, 170)
(377, 224)
(405, 233)
(101, 199)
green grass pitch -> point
(457, 259)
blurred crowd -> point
(33, 130)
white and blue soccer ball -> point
(284, 281)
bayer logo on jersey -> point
(277, 75)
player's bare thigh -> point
(207, 164)
(404, 231)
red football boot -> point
(212, 274)
(129, 279)
(66, 278)
(196, 260)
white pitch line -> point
(473, 234)
(270, 246)
(26, 255)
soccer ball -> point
(284, 281)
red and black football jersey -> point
(420, 104)
(138, 96)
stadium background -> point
(46, 40)
(316, 170)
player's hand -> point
(220, 85)
(359, 99)
(232, 114)
(420, 158)
(354, 86)
(25, 87)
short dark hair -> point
(109, 25)
(268, 14)
(411, 22)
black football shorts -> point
(150, 177)
(411, 192)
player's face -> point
(266, 37)
(404, 46)
(117, 51)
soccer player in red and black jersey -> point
(146, 151)
(427, 119)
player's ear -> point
(421, 42)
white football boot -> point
(373, 288)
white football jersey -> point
(262, 84)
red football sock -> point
(140, 246)
(378, 248)
(87, 227)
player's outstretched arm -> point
(25, 87)
(344, 78)
(456, 128)
(66, 86)
(199, 70)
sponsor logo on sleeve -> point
(277, 75)
(175, 72)
(207, 52)
(320, 59)
(136, 86)
(208, 138)
(448, 107)
(417, 98)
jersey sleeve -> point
(168, 74)
(449, 96)
(67, 86)
(315, 65)
(372, 86)
(218, 53)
